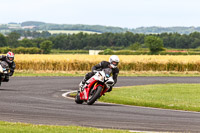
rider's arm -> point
(115, 75)
(12, 68)
(98, 66)
(2, 56)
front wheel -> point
(94, 95)
(77, 98)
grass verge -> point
(167, 96)
(122, 73)
(48, 73)
(8, 127)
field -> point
(69, 31)
(127, 62)
(8, 127)
(168, 96)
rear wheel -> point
(77, 98)
(94, 95)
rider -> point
(113, 62)
(9, 58)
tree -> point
(195, 43)
(46, 47)
(45, 34)
(135, 46)
(3, 41)
(27, 43)
(13, 39)
(155, 44)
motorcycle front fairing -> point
(92, 82)
(4, 70)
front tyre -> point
(94, 95)
(77, 98)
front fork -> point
(104, 90)
(84, 95)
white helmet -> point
(114, 60)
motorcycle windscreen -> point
(108, 72)
(4, 64)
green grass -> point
(35, 74)
(44, 74)
(7, 127)
(167, 96)
(161, 74)
(122, 73)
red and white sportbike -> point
(95, 87)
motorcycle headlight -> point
(107, 75)
(101, 77)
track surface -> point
(39, 100)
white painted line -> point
(67, 93)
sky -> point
(120, 13)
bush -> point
(135, 46)
(56, 51)
(123, 52)
(46, 46)
(21, 50)
(155, 44)
(179, 53)
(4, 50)
(108, 52)
(129, 52)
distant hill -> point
(158, 30)
(32, 23)
(36, 25)
(81, 27)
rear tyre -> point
(94, 95)
(77, 98)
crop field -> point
(127, 62)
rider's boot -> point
(109, 90)
(82, 83)
(6, 78)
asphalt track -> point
(39, 100)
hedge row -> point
(129, 52)
(21, 50)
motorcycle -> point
(95, 87)
(4, 72)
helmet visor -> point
(115, 63)
(11, 58)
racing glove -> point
(11, 73)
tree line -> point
(103, 29)
(115, 41)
